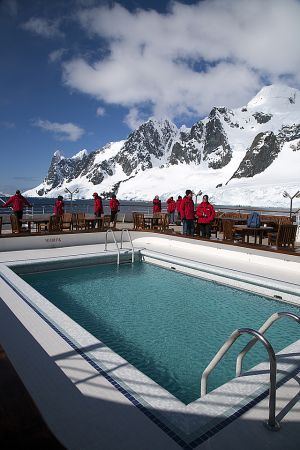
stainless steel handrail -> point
(272, 423)
(130, 240)
(115, 241)
(273, 318)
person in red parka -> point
(187, 213)
(178, 203)
(59, 206)
(171, 208)
(156, 205)
(17, 202)
(98, 208)
(114, 205)
(206, 214)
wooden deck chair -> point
(55, 224)
(164, 221)
(106, 222)
(214, 227)
(66, 222)
(138, 221)
(228, 231)
(79, 221)
(285, 236)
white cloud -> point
(100, 111)
(43, 27)
(62, 131)
(56, 55)
(192, 58)
(134, 118)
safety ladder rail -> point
(268, 323)
(130, 240)
(272, 423)
(115, 241)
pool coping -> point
(190, 436)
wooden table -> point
(152, 222)
(255, 232)
(90, 223)
(37, 222)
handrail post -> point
(115, 241)
(272, 424)
(268, 323)
(130, 240)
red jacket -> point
(59, 208)
(17, 201)
(178, 203)
(114, 204)
(98, 208)
(187, 208)
(156, 206)
(205, 212)
(171, 205)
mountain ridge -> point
(227, 147)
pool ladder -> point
(116, 243)
(272, 424)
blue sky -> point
(80, 73)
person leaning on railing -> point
(17, 202)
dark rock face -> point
(259, 156)
(289, 133)
(261, 117)
(187, 148)
(148, 140)
(217, 150)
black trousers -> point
(205, 230)
(113, 215)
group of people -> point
(185, 208)
(186, 213)
(17, 202)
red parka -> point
(59, 208)
(156, 206)
(171, 205)
(17, 201)
(205, 212)
(98, 208)
(114, 204)
(178, 204)
(187, 208)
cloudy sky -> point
(80, 73)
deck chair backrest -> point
(164, 221)
(227, 226)
(79, 220)
(286, 235)
(66, 223)
(106, 222)
(55, 224)
(138, 221)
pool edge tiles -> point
(190, 423)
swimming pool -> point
(90, 392)
(168, 325)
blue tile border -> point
(183, 444)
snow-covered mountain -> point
(245, 156)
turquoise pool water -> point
(166, 324)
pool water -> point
(166, 324)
